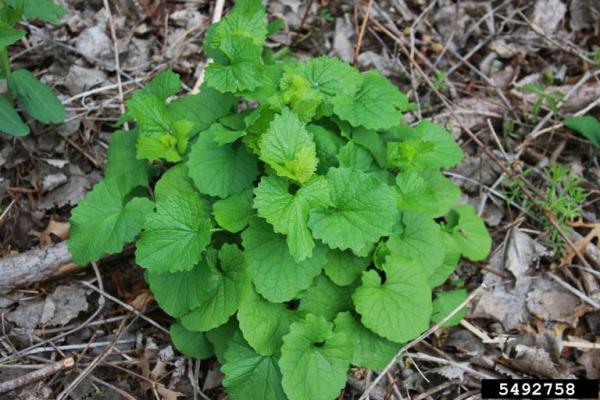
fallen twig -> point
(32, 266)
(36, 376)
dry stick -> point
(217, 15)
(422, 337)
(113, 35)
(36, 376)
(361, 33)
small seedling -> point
(296, 227)
(24, 88)
(550, 99)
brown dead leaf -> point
(168, 394)
(55, 228)
(141, 300)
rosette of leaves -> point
(296, 226)
(24, 89)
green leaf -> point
(43, 9)
(378, 104)
(243, 68)
(37, 98)
(451, 258)
(363, 211)
(158, 147)
(105, 220)
(299, 95)
(247, 19)
(343, 267)
(221, 337)
(314, 360)
(587, 126)
(164, 85)
(202, 109)
(234, 212)
(369, 350)
(288, 148)
(354, 156)
(150, 113)
(10, 121)
(175, 236)
(469, 233)
(222, 135)
(222, 301)
(428, 192)
(174, 183)
(325, 298)
(425, 146)
(122, 158)
(399, 307)
(179, 293)
(328, 145)
(288, 213)
(276, 276)
(330, 76)
(373, 142)
(419, 238)
(250, 376)
(221, 170)
(445, 303)
(264, 323)
(192, 344)
(9, 35)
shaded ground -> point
(536, 310)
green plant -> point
(36, 97)
(296, 226)
(562, 196)
(587, 126)
(551, 99)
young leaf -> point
(428, 192)
(223, 300)
(264, 249)
(368, 349)
(104, 221)
(192, 344)
(469, 233)
(150, 113)
(288, 213)
(377, 105)
(314, 360)
(9, 35)
(264, 323)
(325, 298)
(175, 236)
(420, 239)
(587, 126)
(445, 303)
(288, 148)
(399, 307)
(10, 122)
(250, 376)
(221, 170)
(222, 135)
(359, 200)
(202, 109)
(37, 98)
(122, 158)
(243, 68)
(164, 85)
(343, 267)
(234, 212)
